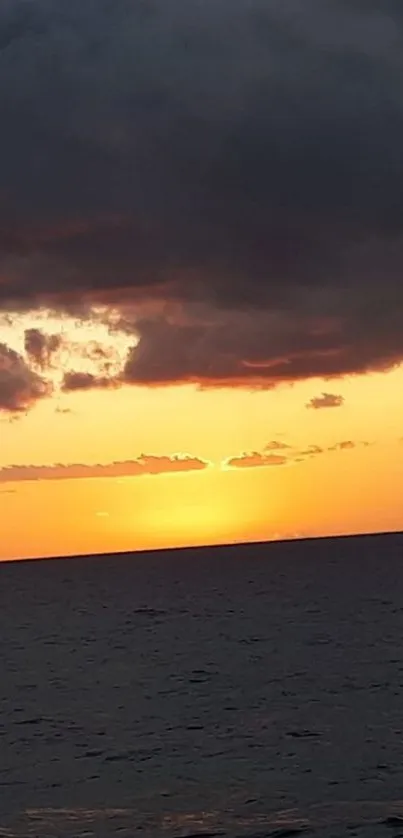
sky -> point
(201, 254)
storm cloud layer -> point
(234, 165)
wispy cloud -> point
(290, 454)
(345, 445)
(277, 445)
(311, 451)
(325, 400)
(64, 411)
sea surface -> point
(236, 691)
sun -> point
(181, 510)
(195, 522)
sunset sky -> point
(201, 254)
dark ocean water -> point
(239, 691)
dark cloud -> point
(20, 386)
(325, 400)
(255, 347)
(146, 464)
(40, 347)
(242, 156)
(73, 381)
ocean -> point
(252, 690)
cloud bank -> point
(153, 464)
(146, 464)
(265, 458)
(226, 174)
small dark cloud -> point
(312, 451)
(345, 445)
(20, 387)
(325, 400)
(75, 381)
(96, 351)
(147, 464)
(40, 347)
(255, 459)
(276, 445)
(106, 358)
(64, 411)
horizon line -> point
(159, 551)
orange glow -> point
(322, 487)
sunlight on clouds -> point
(86, 345)
(199, 278)
(332, 492)
(208, 506)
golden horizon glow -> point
(321, 488)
